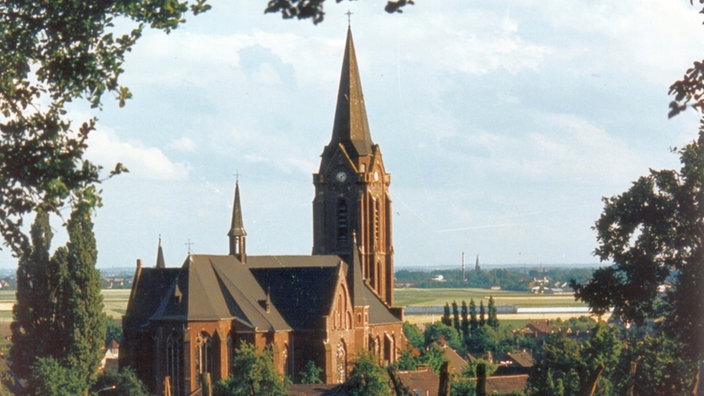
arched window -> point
(204, 354)
(341, 363)
(174, 362)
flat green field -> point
(438, 297)
(116, 299)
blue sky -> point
(502, 125)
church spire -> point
(351, 128)
(160, 262)
(237, 233)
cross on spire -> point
(349, 17)
(189, 244)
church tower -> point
(352, 201)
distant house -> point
(514, 363)
(538, 329)
(505, 384)
(111, 360)
(421, 382)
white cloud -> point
(183, 144)
(104, 147)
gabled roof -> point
(218, 287)
(149, 287)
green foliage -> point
(436, 332)
(311, 374)
(253, 374)
(473, 323)
(38, 289)
(52, 54)
(492, 316)
(368, 378)
(446, 318)
(84, 317)
(113, 331)
(651, 364)
(413, 335)
(654, 234)
(566, 367)
(49, 377)
(455, 316)
(313, 9)
(119, 383)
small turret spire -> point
(160, 262)
(237, 233)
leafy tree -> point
(455, 316)
(113, 331)
(446, 318)
(311, 374)
(437, 331)
(564, 367)
(119, 383)
(84, 319)
(493, 319)
(465, 320)
(253, 374)
(49, 377)
(52, 54)
(482, 314)
(473, 323)
(35, 313)
(367, 378)
(654, 235)
(413, 335)
(314, 10)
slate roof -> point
(268, 293)
(149, 287)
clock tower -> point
(352, 206)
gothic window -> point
(388, 349)
(230, 352)
(377, 210)
(342, 222)
(204, 354)
(341, 366)
(174, 361)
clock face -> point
(341, 176)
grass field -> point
(438, 297)
(115, 301)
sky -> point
(503, 124)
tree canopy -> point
(314, 10)
(52, 54)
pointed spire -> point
(351, 127)
(237, 233)
(160, 262)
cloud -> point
(183, 144)
(105, 147)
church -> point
(324, 308)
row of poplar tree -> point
(467, 321)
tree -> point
(413, 335)
(314, 10)
(455, 316)
(654, 235)
(253, 374)
(436, 332)
(119, 383)
(482, 313)
(367, 378)
(446, 318)
(49, 377)
(84, 319)
(311, 374)
(493, 319)
(34, 313)
(473, 323)
(52, 54)
(563, 367)
(465, 320)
